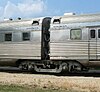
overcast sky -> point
(39, 8)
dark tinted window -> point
(92, 33)
(8, 37)
(26, 36)
(99, 33)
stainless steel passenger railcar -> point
(62, 43)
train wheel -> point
(75, 67)
(26, 66)
(64, 67)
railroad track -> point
(90, 73)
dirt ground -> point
(80, 84)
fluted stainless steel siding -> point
(69, 50)
(92, 49)
(98, 49)
(20, 50)
(17, 48)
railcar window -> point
(92, 33)
(26, 36)
(99, 33)
(76, 34)
(8, 37)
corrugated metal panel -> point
(98, 49)
(69, 50)
(20, 50)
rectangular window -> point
(8, 37)
(92, 33)
(76, 34)
(26, 36)
(99, 33)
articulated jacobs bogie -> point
(52, 66)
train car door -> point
(92, 44)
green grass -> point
(13, 88)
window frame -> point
(92, 37)
(11, 37)
(23, 39)
(98, 33)
(80, 34)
